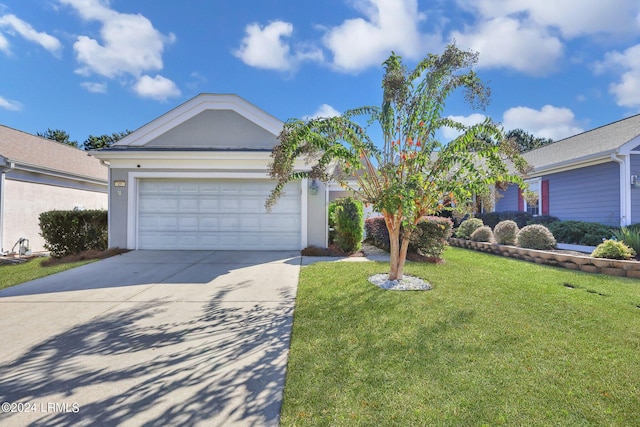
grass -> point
(496, 342)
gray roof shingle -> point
(26, 149)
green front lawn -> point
(496, 342)
(14, 274)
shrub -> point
(332, 222)
(467, 227)
(429, 239)
(543, 219)
(612, 249)
(630, 236)
(580, 232)
(482, 234)
(349, 222)
(376, 232)
(535, 236)
(493, 218)
(505, 232)
(71, 232)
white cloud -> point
(548, 122)
(572, 18)
(265, 47)
(12, 23)
(94, 87)
(4, 44)
(130, 45)
(627, 63)
(324, 110)
(10, 105)
(450, 134)
(388, 25)
(507, 43)
(158, 88)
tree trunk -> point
(402, 257)
(394, 240)
(393, 226)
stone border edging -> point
(585, 263)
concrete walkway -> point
(150, 338)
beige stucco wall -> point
(25, 201)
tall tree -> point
(103, 141)
(411, 174)
(58, 135)
(526, 141)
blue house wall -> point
(587, 194)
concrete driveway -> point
(153, 338)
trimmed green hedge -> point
(429, 239)
(71, 232)
(580, 232)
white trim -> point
(625, 186)
(570, 165)
(538, 183)
(304, 201)
(134, 177)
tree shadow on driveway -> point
(159, 363)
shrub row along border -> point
(585, 263)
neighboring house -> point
(197, 178)
(39, 175)
(593, 176)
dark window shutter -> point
(520, 200)
(545, 197)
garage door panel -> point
(216, 214)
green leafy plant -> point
(505, 232)
(535, 236)
(493, 218)
(467, 227)
(71, 232)
(630, 236)
(613, 249)
(349, 222)
(580, 232)
(482, 234)
(332, 222)
(429, 239)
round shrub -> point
(613, 249)
(505, 232)
(467, 227)
(482, 234)
(535, 236)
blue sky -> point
(99, 66)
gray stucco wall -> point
(586, 194)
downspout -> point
(625, 187)
(4, 167)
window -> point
(533, 202)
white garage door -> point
(216, 214)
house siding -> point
(586, 194)
(635, 192)
(507, 200)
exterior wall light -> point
(313, 187)
(635, 181)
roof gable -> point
(208, 121)
(28, 150)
